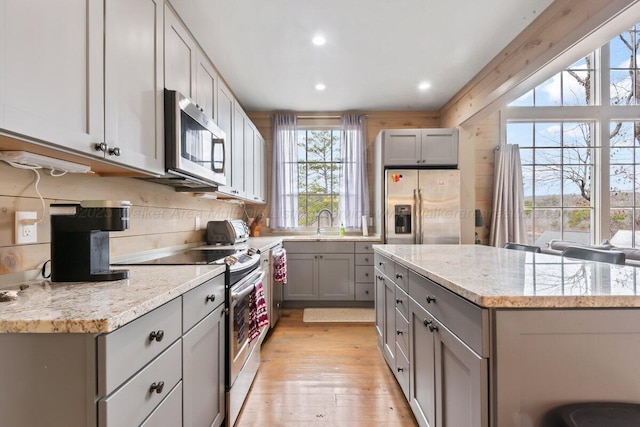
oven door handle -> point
(248, 288)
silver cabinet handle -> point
(156, 335)
(102, 146)
(430, 299)
(114, 151)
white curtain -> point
(507, 222)
(284, 188)
(353, 202)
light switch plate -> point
(26, 228)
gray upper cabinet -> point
(44, 68)
(420, 147)
(179, 55)
(186, 68)
(134, 95)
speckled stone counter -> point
(501, 278)
(99, 307)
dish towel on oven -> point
(280, 267)
(258, 312)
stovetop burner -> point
(191, 257)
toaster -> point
(227, 232)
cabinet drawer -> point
(401, 277)
(364, 274)
(134, 401)
(364, 291)
(402, 302)
(364, 259)
(466, 320)
(200, 301)
(169, 412)
(385, 265)
(124, 351)
(364, 247)
(402, 332)
(319, 247)
(402, 371)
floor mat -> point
(338, 315)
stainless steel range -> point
(244, 325)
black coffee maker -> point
(80, 240)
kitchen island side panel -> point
(547, 358)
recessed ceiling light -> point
(318, 40)
(320, 86)
(424, 85)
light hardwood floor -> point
(323, 374)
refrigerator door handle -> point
(416, 217)
(419, 218)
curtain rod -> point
(318, 117)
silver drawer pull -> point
(430, 299)
(399, 332)
(156, 335)
(398, 276)
(157, 387)
(211, 298)
(398, 301)
(400, 369)
(433, 327)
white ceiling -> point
(377, 51)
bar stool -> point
(522, 247)
(593, 414)
(590, 254)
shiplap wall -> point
(376, 121)
(160, 217)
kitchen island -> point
(482, 336)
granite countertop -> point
(502, 278)
(99, 307)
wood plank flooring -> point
(323, 374)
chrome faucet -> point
(330, 218)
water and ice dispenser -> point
(403, 219)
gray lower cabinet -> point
(320, 271)
(449, 381)
(436, 344)
(203, 350)
(139, 374)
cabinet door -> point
(380, 305)
(389, 333)
(402, 147)
(206, 84)
(302, 274)
(249, 158)
(237, 150)
(422, 389)
(134, 96)
(263, 169)
(51, 78)
(336, 277)
(461, 382)
(439, 147)
(179, 55)
(203, 371)
(224, 118)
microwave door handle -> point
(219, 141)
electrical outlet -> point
(26, 228)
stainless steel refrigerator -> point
(422, 206)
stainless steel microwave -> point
(194, 145)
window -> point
(319, 164)
(580, 156)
